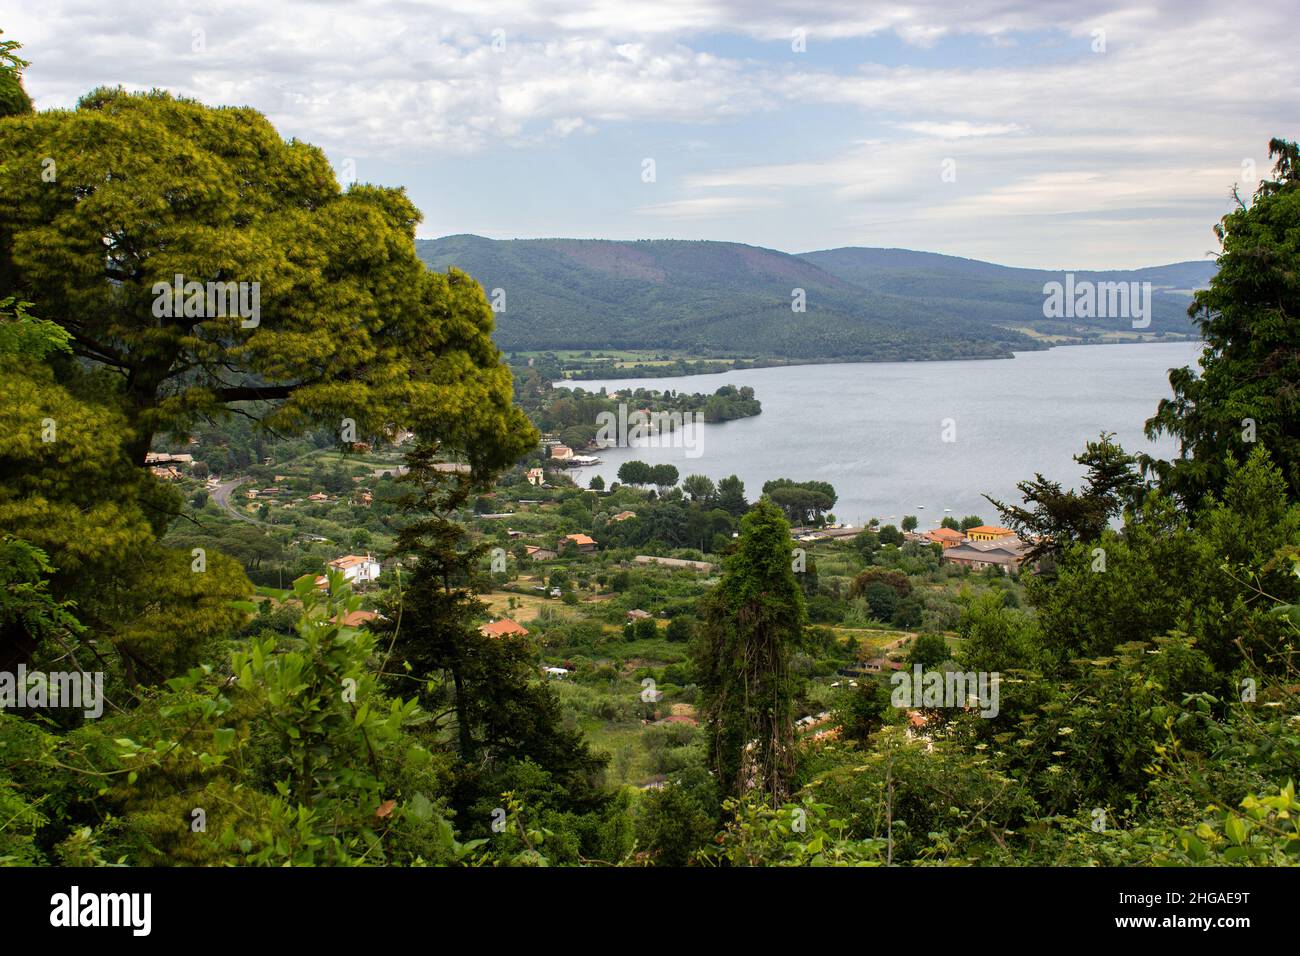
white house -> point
(356, 569)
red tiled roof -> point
(502, 628)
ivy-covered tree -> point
(751, 623)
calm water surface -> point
(876, 431)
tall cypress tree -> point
(752, 621)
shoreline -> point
(752, 364)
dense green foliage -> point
(350, 326)
(1248, 388)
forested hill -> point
(721, 298)
(992, 293)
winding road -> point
(221, 495)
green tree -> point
(349, 324)
(634, 473)
(1248, 389)
(861, 712)
(928, 650)
(804, 502)
(750, 624)
(731, 496)
(68, 488)
(502, 714)
(672, 825)
(680, 629)
(996, 638)
(663, 476)
(909, 522)
(882, 600)
(891, 535)
(700, 488)
(14, 100)
(1053, 518)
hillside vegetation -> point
(721, 298)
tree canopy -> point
(1248, 387)
(104, 206)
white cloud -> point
(708, 206)
(1150, 133)
(960, 130)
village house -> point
(623, 516)
(536, 477)
(540, 554)
(1005, 553)
(988, 533)
(318, 496)
(636, 614)
(584, 543)
(561, 452)
(946, 537)
(356, 569)
(503, 628)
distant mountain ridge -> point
(723, 298)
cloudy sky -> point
(1049, 133)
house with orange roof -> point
(987, 532)
(503, 628)
(585, 543)
(356, 568)
(946, 537)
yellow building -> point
(989, 533)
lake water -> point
(877, 431)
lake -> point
(878, 431)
